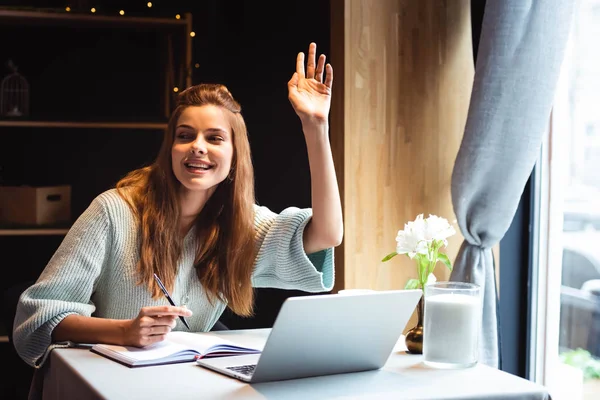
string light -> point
(149, 5)
(176, 89)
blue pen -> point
(164, 290)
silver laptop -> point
(325, 334)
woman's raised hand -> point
(310, 91)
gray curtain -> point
(520, 53)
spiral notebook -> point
(178, 347)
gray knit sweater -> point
(93, 273)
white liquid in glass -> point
(451, 329)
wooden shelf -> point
(61, 17)
(33, 231)
(74, 124)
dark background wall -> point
(116, 74)
(88, 73)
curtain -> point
(520, 53)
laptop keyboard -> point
(244, 369)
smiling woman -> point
(204, 167)
(190, 218)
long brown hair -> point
(225, 226)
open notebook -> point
(176, 348)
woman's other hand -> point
(310, 91)
(152, 324)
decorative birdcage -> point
(14, 94)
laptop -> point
(325, 334)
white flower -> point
(411, 240)
(420, 233)
(437, 228)
(423, 240)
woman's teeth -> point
(198, 166)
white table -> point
(81, 374)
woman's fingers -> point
(315, 69)
(153, 339)
(328, 75)
(320, 68)
(149, 321)
(300, 65)
(153, 323)
(166, 310)
(159, 330)
(165, 321)
(310, 63)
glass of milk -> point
(452, 323)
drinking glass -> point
(452, 324)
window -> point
(566, 356)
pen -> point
(164, 290)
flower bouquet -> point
(422, 240)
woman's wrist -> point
(315, 129)
(122, 329)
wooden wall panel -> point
(406, 68)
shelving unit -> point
(178, 28)
(76, 19)
(81, 124)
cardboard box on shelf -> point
(28, 205)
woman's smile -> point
(197, 166)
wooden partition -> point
(403, 76)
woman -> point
(190, 218)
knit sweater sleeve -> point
(281, 261)
(64, 287)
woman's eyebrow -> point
(216, 130)
(210, 130)
(185, 126)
